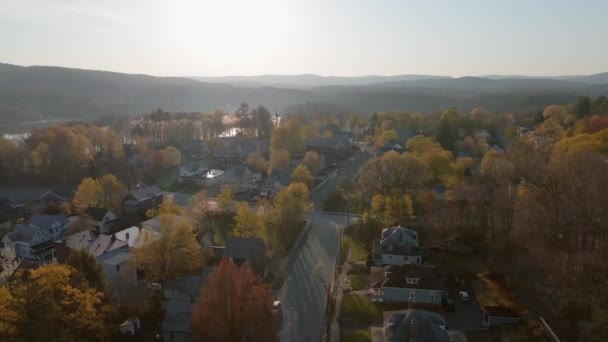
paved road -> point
(304, 294)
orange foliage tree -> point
(235, 306)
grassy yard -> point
(173, 186)
(358, 275)
(357, 309)
(356, 336)
(358, 252)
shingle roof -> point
(244, 248)
(46, 221)
(399, 237)
(428, 279)
(147, 192)
(189, 285)
(118, 258)
(81, 240)
(415, 325)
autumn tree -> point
(199, 211)
(52, 305)
(8, 264)
(88, 271)
(301, 174)
(167, 207)
(172, 253)
(113, 192)
(290, 206)
(312, 162)
(224, 199)
(235, 306)
(106, 192)
(247, 223)
(257, 161)
(280, 159)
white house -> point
(407, 283)
(22, 238)
(397, 246)
(101, 218)
(241, 179)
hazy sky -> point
(347, 37)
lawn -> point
(356, 336)
(358, 253)
(357, 309)
(358, 281)
(172, 186)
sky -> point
(325, 37)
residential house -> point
(397, 246)
(55, 197)
(179, 298)
(248, 250)
(411, 326)
(111, 253)
(101, 218)
(23, 237)
(278, 179)
(54, 225)
(142, 199)
(130, 236)
(51, 252)
(410, 283)
(493, 316)
(241, 179)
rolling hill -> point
(41, 94)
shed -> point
(131, 326)
(494, 316)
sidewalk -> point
(334, 334)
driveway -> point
(465, 316)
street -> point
(304, 294)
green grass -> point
(356, 336)
(344, 247)
(358, 281)
(357, 309)
(358, 253)
(173, 186)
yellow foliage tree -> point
(171, 254)
(301, 174)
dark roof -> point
(62, 252)
(46, 221)
(96, 214)
(244, 248)
(144, 193)
(415, 325)
(499, 311)
(427, 276)
(189, 285)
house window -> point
(411, 280)
(432, 295)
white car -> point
(464, 296)
(155, 286)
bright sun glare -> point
(228, 33)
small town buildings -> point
(410, 283)
(142, 199)
(23, 237)
(101, 218)
(240, 179)
(397, 246)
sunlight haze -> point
(346, 38)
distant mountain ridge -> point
(313, 80)
(46, 94)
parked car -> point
(155, 286)
(277, 313)
(464, 296)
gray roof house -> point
(23, 237)
(54, 225)
(412, 326)
(248, 250)
(397, 246)
(142, 199)
(410, 283)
